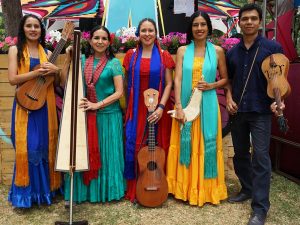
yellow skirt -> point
(189, 183)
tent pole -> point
(264, 18)
(275, 20)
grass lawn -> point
(285, 210)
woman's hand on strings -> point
(155, 116)
(86, 105)
(48, 68)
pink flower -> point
(8, 40)
(1, 44)
(54, 44)
(15, 40)
(230, 42)
(48, 37)
(86, 35)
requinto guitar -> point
(152, 186)
(275, 68)
(32, 94)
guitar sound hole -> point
(31, 97)
(152, 166)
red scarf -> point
(91, 79)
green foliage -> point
(2, 28)
(240, 2)
(115, 43)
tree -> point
(12, 14)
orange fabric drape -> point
(21, 121)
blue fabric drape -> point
(156, 78)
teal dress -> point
(110, 184)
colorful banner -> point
(219, 9)
(63, 8)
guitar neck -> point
(57, 50)
(277, 96)
(151, 137)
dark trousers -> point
(253, 170)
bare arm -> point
(16, 79)
(13, 77)
(177, 84)
(85, 104)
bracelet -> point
(161, 106)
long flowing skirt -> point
(38, 190)
(110, 184)
(189, 184)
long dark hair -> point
(189, 32)
(88, 50)
(22, 38)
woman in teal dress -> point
(103, 78)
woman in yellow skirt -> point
(195, 166)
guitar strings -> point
(40, 81)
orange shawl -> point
(21, 120)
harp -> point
(72, 149)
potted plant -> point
(115, 42)
(173, 41)
(6, 42)
(128, 38)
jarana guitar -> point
(152, 187)
(32, 94)
(275, 68)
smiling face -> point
(32, 29)
(147, 33)
(199, 28)
(99, 42)
(249, 22)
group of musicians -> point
(194, 164)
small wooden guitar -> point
(275, 68)
(32, 94)
(152, 186)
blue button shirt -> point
(239, 60)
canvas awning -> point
(63, 8)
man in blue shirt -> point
(250, 106)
